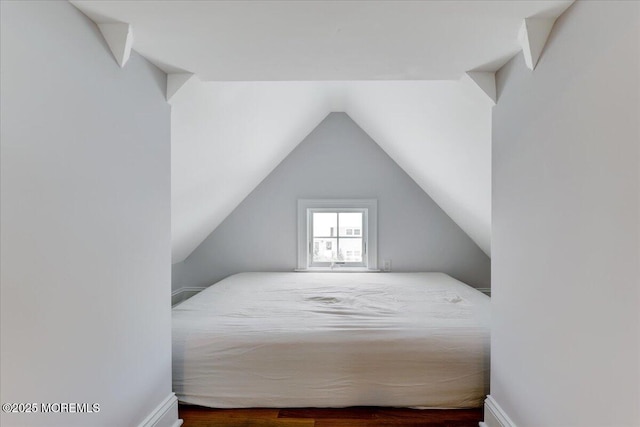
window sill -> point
(336, 270)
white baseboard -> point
(494, 415)
(183, 294)
(165, 415)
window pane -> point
(350, 250)
(325, 224)
(325, 250)
(350, 223)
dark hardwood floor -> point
(197, 416)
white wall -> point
(85, 222)
(337, 160)
(566, 225)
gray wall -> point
(85, 221)
(337, 160)
(566, 225)
(177, 273)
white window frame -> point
(369, 207)
(363, 250)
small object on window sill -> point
(338, 264)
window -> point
(340, 246)
(337, 233)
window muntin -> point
(352, 244)
(334, 237)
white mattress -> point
(333, 340)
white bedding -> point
(333, 340)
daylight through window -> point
(337, 237)
(337, 234)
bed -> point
(333, 340)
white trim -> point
(165, 415)
(494, 415)
(364, 235)
(372, 226)
(184, 293)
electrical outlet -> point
(386, 265)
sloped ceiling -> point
(267, 72)
(228, 136)
(225, 139)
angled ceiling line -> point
(485, 81)
(253, 125)
(174, 35)
(119, 37)
(533, 36)
(175, 82)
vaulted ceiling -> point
(267, 72)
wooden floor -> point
(197, 416)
